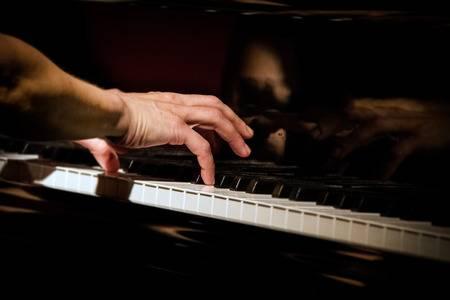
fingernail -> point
(213, 179)
(206, 180)
(249, 131)
(247, 150)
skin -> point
(45, 103)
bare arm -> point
(40, 101)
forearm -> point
(40, 101)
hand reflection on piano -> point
(267, 90)
(412, 125)
(263, 88)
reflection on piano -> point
(277, 223)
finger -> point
(360, 111)
(328, 128)
(204, 100)
(369, 108)
(213, 139)
(201, 148)
(103, 153)
(114, 90)
(401, 150)
(366, 132)
(212, 118)
(290, 121)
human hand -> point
(414, 126)
(158, 118)
(271, 132)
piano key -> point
(324, 222)
(240, 183)
(224, 180)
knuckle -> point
(102, 149)
(171, 96)
(215, 114)
(214, 100)
(205, 148)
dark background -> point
(148, 46)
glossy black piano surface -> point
(380, 48)
(79, 241)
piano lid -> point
(368, 10)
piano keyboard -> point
(370, 229)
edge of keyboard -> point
(412, 238)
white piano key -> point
(327, 222)
(60, 178)
(444, 247)
(358, 232)
(326, 226)
(428, 245)
(164, 196)
(375, 235)
(278, 217)
(309, 224)
(219, 206)
(73, 181)
(191, 201)
(137, 192)
(342, 229)
(205, 203)
(248, 211)
(263, 214)
(294, 220)
(150, 195)
(393, 239)
(178, 198)
(410, 241)
(234, 208)
(2, 166)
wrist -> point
(120, 127)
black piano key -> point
(78, 156)
(197, 179)
(313, 195)
(168, 172)
(126, 164)
(261, 186)
(351, 201)
(334, 198)
(240, 183)
(12, 145)
(282, 190)
(224, 181)
(34, 148)
(294, 193)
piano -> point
(267, 225)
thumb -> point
(103, 153)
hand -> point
(271, 130)
(104, 153)
(167, 118)
(415, 126)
